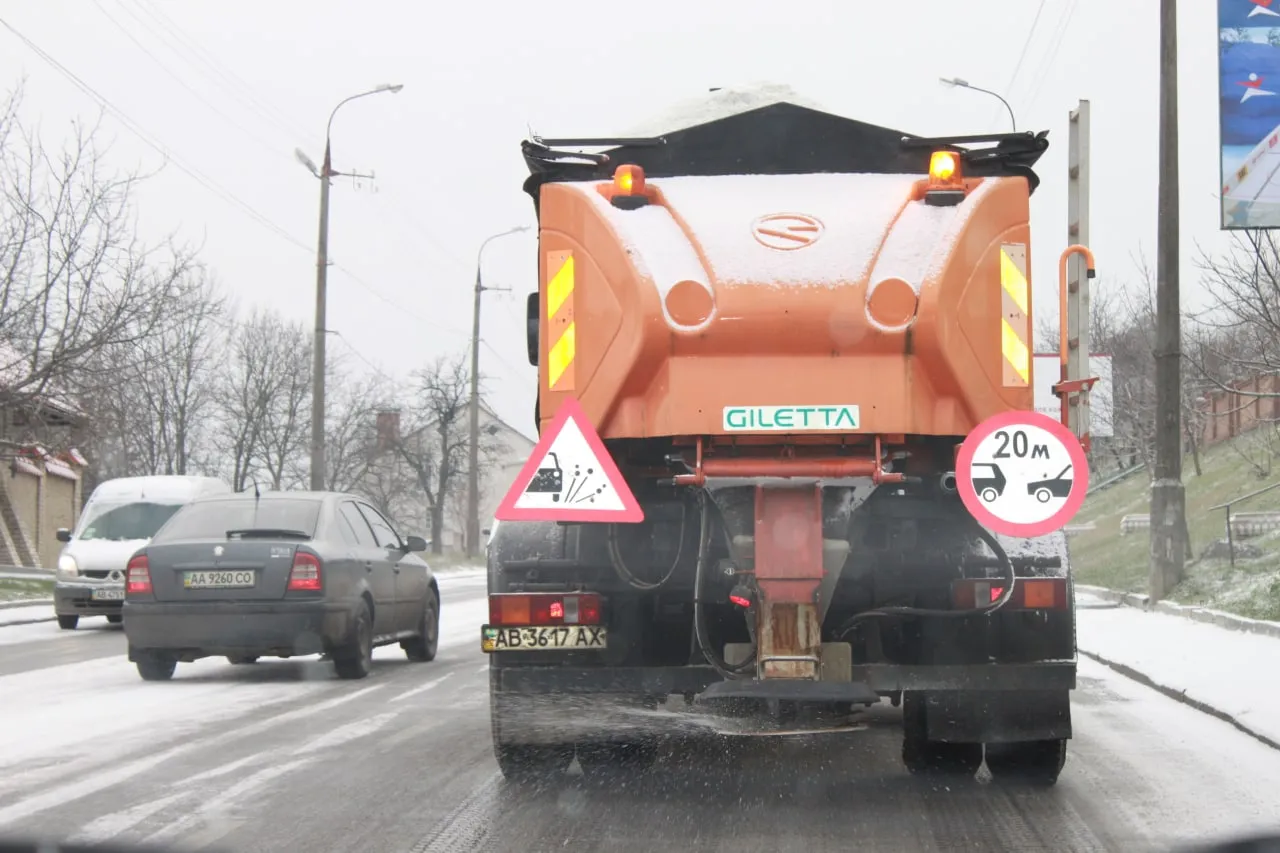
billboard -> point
(1046, 370)
(1249, 112)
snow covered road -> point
(283, 756)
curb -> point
(25, 602)
(28, 622)
(1180, 696)
(1197, 614)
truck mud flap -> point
(790, 690)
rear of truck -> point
(782, 324)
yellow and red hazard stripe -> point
(1015, 319)
(560, 331)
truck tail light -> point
(138, 575)
(305, 573)
(518, 608)
(1028, 594)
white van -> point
(120, 517)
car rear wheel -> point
(355, 658)
(242, 659)
(115, 618)
(68, 623)
(423, 647)
(153, 666)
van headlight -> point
(67, 567)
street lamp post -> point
(324, 173)
(473, 467)
(965, 84)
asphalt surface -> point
(282, 756)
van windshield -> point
(124, 522)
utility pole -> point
(1078, 345)
(317, 345)
(324, 173)
(473, 467)
(1168, 496)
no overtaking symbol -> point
(1022, 474)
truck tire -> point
(924, 756)
(1036, 762)
(521, 756)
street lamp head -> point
(390, 87)
(954, 81)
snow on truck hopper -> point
(782, 324)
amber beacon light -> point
(628, 187)
(946, 179)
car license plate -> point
(543, 638)
(217, 580)
(107, 595)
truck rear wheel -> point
(523, 753)
(1036, 762)
(924, 756)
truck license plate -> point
(543, 638)
(217, 580)
(107, 595)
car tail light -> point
(305, 573)
(1028, 594)
(518, 608)
(138, 575)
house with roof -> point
(41, 485)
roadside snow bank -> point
(1231, 673)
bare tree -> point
(263, 424)
(352, 404)
(152, 418)
(435, 445)
(287, 424)
(74, 278)
(1242, 325)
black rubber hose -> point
(1010, 580)
(699, 615)
(620, 565)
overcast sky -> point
(230, 89)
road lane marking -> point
(344, 734)
(422, 689)
(209, 810)
(108, 826)
(60, 795)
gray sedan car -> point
(278, 574)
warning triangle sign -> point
(570, 476)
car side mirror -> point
(415, 543)
(63, 534)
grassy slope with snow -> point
(1103, 557)
(17, 589)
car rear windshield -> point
(214, 519)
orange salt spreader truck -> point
(782, 324)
